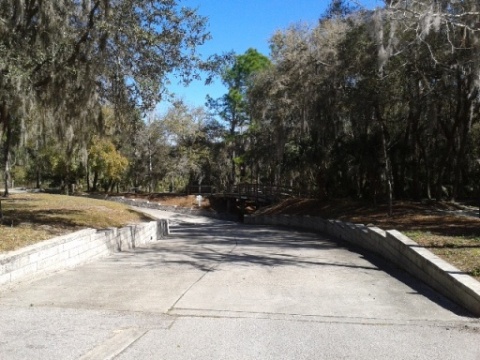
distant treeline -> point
(375, 104)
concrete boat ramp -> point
(222, 290)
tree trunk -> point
(38, 181)
(427, 165)
(467, 114)
(386, 159)
(7, 130)
(233, 170)
(150, 167)
(95, 181)
(388, 174)
(6, 193)
(88, 178)
(112, 186)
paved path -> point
(219, 290)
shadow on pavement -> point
(207, 246)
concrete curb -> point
(77, 248)
(395, 247)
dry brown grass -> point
(456, 239)
(30, 218)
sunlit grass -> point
(30, 218)
(460, 251)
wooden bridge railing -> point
(253, 191)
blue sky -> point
(241, 24)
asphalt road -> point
(220, 290)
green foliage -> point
(234, 108)
(364, 103)
(62, 61)
(371, 103)
(19, 175)
(245, 66)
(104, 159)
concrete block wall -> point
(395, 247)
(74, 249)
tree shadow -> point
(451, 246)
(43, 217)
(210, 247)
(417, 286)
(26, 212)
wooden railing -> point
(251, 191)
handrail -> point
(255, 191)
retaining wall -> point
(395, 247)
(74, 249)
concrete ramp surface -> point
(220, 290)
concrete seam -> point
(200, 279)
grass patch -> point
(460, 251)
(30, 218)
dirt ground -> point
(439, 217)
